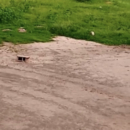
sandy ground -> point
(67, 84)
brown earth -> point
(66, 85)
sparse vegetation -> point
(43, 19)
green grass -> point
(72, 18)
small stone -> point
(92, 33)
(6, 30)
(21, 29)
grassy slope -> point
(109, 21)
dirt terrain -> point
(67, 84)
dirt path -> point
(66, 85)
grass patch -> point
(43, 19)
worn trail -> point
(67, 84)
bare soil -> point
(67, 84)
